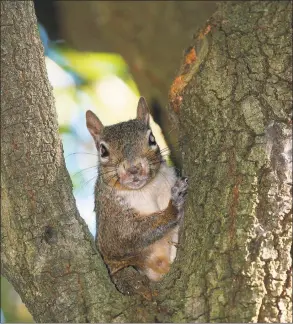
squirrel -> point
(139, 203)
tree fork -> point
(231, 105)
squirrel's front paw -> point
(178, 192)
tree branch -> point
(47, 251)
(234, 96)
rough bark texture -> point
(231, 104)
(236, 131)
(47, 252)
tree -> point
(230, 103)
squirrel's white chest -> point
(154, 196)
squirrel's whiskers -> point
(138, 202)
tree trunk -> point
(47, 251)
(236, 132)
(231, 105)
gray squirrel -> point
(138, 203)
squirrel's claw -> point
(179, 191)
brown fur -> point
(129, 236)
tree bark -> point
(236, 131)
(47, 251)
(231, 105)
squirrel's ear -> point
(94, 125)
(143, 113)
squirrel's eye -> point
(152, 140)
(104, 152)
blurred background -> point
(102, 55)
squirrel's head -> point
(129, 155)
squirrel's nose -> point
(133, 170)
(134, 167)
